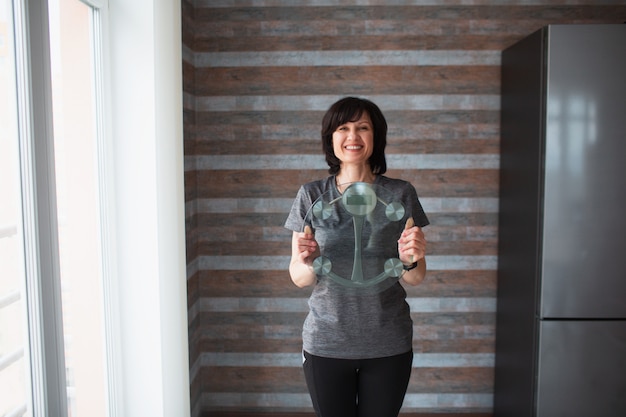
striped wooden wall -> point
(258, 76)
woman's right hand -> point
(307, 246)
(304, 249)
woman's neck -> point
(355, 174)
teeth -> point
(353, 147)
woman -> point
(357, 348)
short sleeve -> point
(299, 209)
(416, 210)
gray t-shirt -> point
(357, 323)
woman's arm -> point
(304, 250)
(416, 275)
(412, 248)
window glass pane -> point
(75, 143)
(14, 351)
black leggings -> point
(357, 388)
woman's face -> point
(353, 142)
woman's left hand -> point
(412, 245)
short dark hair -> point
(350, 109)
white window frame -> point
(144, 266)
(43, 287)
(43, 294)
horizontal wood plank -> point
(211, 138)
(294, 345)
(462, 283)
(281, 379)
(453, 13)
(284, 184)
(368, 80)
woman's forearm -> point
(301, 274)
(416, 275)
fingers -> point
(307, 245)
(307, 239)
(410, 223)
(412, 243)
(413, 233)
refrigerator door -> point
(581, 369)
(584, 228)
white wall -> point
(146, 126)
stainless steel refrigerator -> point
(561, 310)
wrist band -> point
(409, 267)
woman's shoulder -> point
(388, 182)
(320, 186)
(314, 189)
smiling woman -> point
(355, 122)
(353, 143)
(357, 342)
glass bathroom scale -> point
(358, 232)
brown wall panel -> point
(465, 283)
(285, 184)
(376, 79)
(258, 76)
(287, 146)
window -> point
(53, 291)
(14, 380)
(73, 33)
(141, 237)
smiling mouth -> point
(353, 147)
